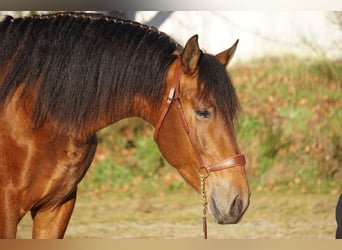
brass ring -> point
(203, 175)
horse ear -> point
(190, 56)
(225, 56)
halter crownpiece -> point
(204, 169)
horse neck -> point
(139, 107)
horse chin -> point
(227, 211)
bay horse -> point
(65, 76)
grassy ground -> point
(271, 215)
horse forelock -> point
(217, 87)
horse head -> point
(195, 130)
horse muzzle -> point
(227, 208)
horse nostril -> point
(236, 207)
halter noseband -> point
(234, 161)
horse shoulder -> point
(39, 167)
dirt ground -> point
(178, 216)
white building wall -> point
(302, 33)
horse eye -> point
(203, 113)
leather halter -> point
(174, 98)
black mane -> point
(80, 63)
(83, 63)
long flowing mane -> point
(77, 64)
(80, 63)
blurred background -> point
(287, 71)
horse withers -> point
(65, 76)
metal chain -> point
(203, 177)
